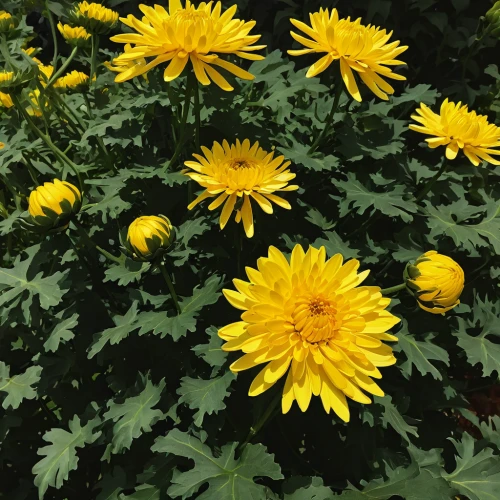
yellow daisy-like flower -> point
(237, 173)
(74, 80)
(77, 37)
(6, 100)
(364, 49)
(119, 65)
(6, 77)
(436, 281)
(94, 17)
(458, 128)
(309, 317)
(45, 72)
(182, 34)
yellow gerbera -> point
(235, 174)
(458, 128)
(191, 33)
(309, 317)
(361, 48)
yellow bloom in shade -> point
(77, 37)
(6, 100)
(119, 65)
(458, 128)
(52, 205)
(197, 34)
(309, 317)
(6, 77)
(436, 281)
(7, 22)
(45, 72)
(74, 80)
(149, 235)
(238, 173)
(94, 17)
(364, 49)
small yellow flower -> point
(52, 205)
(30, 52)
(78, 37)
(7, 22)
(309, 317)
(6, 100)
(364, 49)
(118, 65)
(6, 77)
(198, 34)
(436, 281)
(45, 72)
(458, 128)
(238, 173)
(75, 81)
(149, 236)
(94, 17)
(2, 145)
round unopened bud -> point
(150, 236)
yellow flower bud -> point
(436, 281)
(149, 236)
(75, 81)
(7, 22)
(78, 37)
(94, 17)
(52, 205)
(6, 100)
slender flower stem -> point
(93, 61)
(262, 420)
(170, 285)
(428, 186)
(197, 113)
(392, 289)
(90, 243)
(31, 170)
(339, 87)
(53, 31)
(61, 70)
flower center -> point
(189, 15)
(316, 318)
(240, 163)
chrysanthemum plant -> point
(227, 273)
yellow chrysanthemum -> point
(7, 21)
(363, 49)
(35, 107)
(94, 17)
(309, 317)
(6, 77)
(119, 65)
(436, 281)
(30, 51)
(198, 34)
(458, 128)
(235, 174)
(74, 80)
(77, 36)
(6, 100)
(45, 72)
(150, 235)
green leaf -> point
(335, 244)
(178, 326)
(124, 326)
(18, 387)
(358, 197)
(420, 353)
(134, 416)
(60, 456)
(392, 417)
(143, 492)
(206, 396)
(126, 273)
(299, 154)
(61, 333)
(315, 491)
(185, 233)
(477, 476)
(227, 477)
(212, 352)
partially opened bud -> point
(77, 37)
(94, 17)
(52, 205)
(149, 236)
(75, 81)
(436, 281)
(493, 19)
(7, 22)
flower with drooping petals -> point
(198, 34)
(73, 81)
(237, 173)
(436, 281)
(458, 128)
(119, 65)
(309, 317)
(364, 49)
(77, 37)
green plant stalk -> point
(170, 286)
(54, 35)
(61, 103)
(93, 61)
(91, 244)
(31, 170)
(197, 115)
(339, 87)
(428, 186)
(393, 289)
(61, 70)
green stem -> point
(93, 62)
(392, 289)
(53, 31)
(339, 87)
(90, 243)
(262, 420)
(368, 222)
(31, 170)
(61, 70)
(197, 115)
(428, 186)
(170, 286)
(4, 49)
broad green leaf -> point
(335, 244)
(111, 484)
(126, 273)
(299, 154)
(61, 333)
(185, 233)
(18, 387)
(124, 326)
(228, 478)
(134, 416)
(477, 476)
(206, 396)
(315, 491)
(60, 456)
(392, 417)
(212, 352)
(143, 492)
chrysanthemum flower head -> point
(7, 22)
(45, 72)
(309, 317)
(75, 81)
(77, 37)
(118, 65)
(149, 236)
(198, 34)
(238, 173)
(94, 17)
(6, 100)
(458, 128)
(364, 49)
(436, 281)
